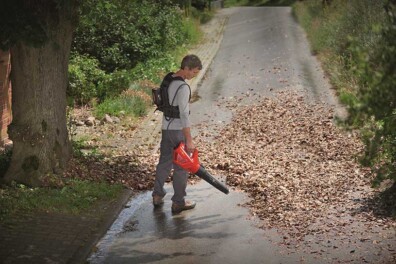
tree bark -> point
(41, 147)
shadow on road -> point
(381, 205)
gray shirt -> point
(181, 100)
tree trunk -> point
(41, 147)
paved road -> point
(263, 51)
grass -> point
(134, 106)
(330, 30)
(76, 196)
(81, 148)
(191, 30)
(231, 3)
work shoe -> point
(177, 208)
(158, 200)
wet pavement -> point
(217, 230)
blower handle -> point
(185, 160)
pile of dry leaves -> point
(135, 171)
(291, 159)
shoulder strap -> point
(178, 88)
(167, 81)
(169, 78)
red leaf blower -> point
(191, 164)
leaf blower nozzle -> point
(191, 164)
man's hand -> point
(190, 147)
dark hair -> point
(191, 61)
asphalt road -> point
(263, 51)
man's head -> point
(191, 65)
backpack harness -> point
(160, 97)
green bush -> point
(84, 76)
(191, 32)
(113, 84)
(122, 33)
(230, 3)
(356, 40)
(375, 104)
(126, 41)
(205, 17)
(201, 15)
(154, 69)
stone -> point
(90, 121)
(107, 119)
(79, 123)
(116, 120)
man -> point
(174, 131)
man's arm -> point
(183, 102)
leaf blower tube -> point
(191, 164)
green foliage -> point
(357, 42)
(113, 84)
(84, 76)
(75, 197)
(191, 31)
(308, 15)
(87, 81)
(230, 3)
(77, 146)
(154, 69)
(82, 149)
(202, 16)
(122, 42)
(122, 33)
(330, 27)
(205, 17)
(134, 106)
(375, 105)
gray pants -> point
(170, 140)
